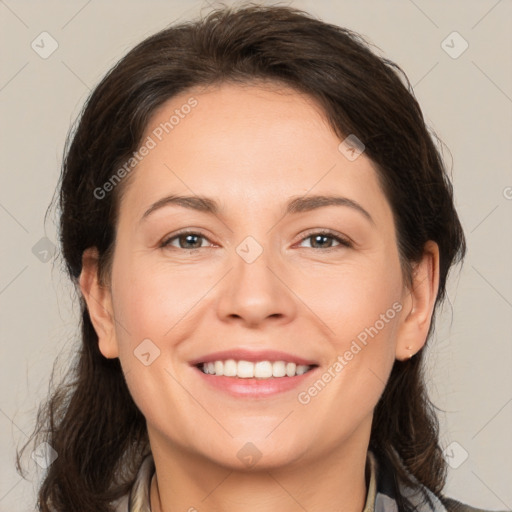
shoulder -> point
(137, 499)
(456, 506)
(122, 504)
(419, 498)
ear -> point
(419, 304)
(99, 303)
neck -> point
(189, 482)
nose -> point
(256, 291)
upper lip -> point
(253, 356)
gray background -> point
(466, 101)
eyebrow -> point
(296, 205)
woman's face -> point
(255, 275)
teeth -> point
(249, 370)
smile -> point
(249, 370)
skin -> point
(252, 148)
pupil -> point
(188, 240)
(320, 237)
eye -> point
(192, 240)
(320, 239)
(186, 240)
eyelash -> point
(344, 242)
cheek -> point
(354, 297)
(150, 299)
(349, 386)
(361, 308)
(150, 309)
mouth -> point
(256, 370)
(244, 373)
(256, 379)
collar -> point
(385, 493)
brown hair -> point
(90, 419)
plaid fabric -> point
(384, 493)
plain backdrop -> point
(458, 57)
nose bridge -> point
(254, 290)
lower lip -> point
(254, 388)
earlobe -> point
(413, 331)
(99, 303)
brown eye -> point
(186, 240)
(324, 240)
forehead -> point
(248, 145)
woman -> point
(261, 230)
